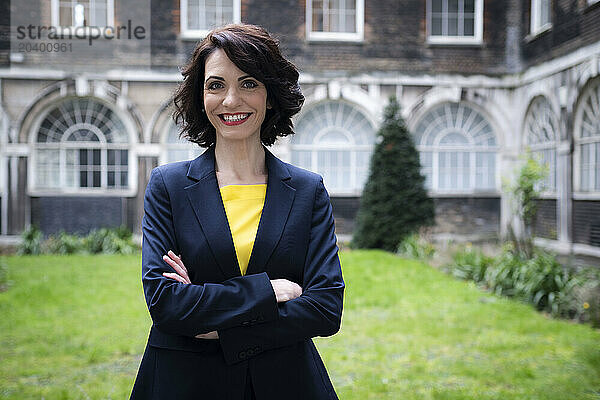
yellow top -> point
(243, 207)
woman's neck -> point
(240, 162)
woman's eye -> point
(249, 84)
(214, 86)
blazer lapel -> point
(278, 203)
(205, 199)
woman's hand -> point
(209, 335)
(285, 290)
(181, 275)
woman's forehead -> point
(217, 63)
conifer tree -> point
(394, 201)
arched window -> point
(541, 136)
(3, 143)
(81, 145)
(458, 149)
(587, 137)
(335, 140)
(176, 149)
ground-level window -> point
(177, 149)
(81, 145)
(587, 140)
(458, 149)
(541, 138)
(335, 139)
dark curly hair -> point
(255, 52)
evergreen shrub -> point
(394, 202)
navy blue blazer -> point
(258, 337)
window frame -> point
(476, 39)
(472, 150)
(63, 146)
(166, 145)
(579, 142)
(315, 147)
(535, 26)
(95, 29)
(542, 104)
(186, 33)
(3, 160)
(317, 36)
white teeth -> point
(236, 117)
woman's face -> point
(235, 103)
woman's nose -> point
(232, 97)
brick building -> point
(480, 81)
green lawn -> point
(74, 327)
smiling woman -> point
(249, 49)
(233, 98)
(240, 265)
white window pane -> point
(193, 15)
(302, 159)
(436, 25)
(452, 6)
(469, 6)
(469, 27)
(335, 140)
(65, 14)
(350, 24)
(544, 12)
(596, 167)
(98, 13)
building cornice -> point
(529, 75)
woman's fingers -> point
(285, 290)
(177, 259)
(178, 269)
(209, 335)
(174, 276)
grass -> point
(74, 327)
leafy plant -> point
(501, 278)
(470, 264)
(109, 241)
(525, 191)
(104, 240)
(63, 243)
(584, 300)
(414, 246)
(544, 282)
(31, 242)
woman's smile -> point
(235, 102)
(234, 119)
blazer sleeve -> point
(189, 309)
(317, 312)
